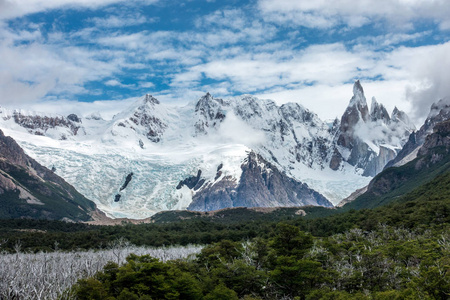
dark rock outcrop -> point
(127, 181)
(74, 118)
(261, 185)
(117, 197)
(192, 182)
(39, 125)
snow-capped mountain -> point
(213, 153)
(369, 140)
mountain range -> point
(216, 153)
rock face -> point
(368, 141)
(209, 113)
(439, 112)
(30, 190)
(58, 127)
(261, 185)
(437, 143)
(356, 113)
(143, 120)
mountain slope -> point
(260, 185)
(29, 190)
(433, 160)
(439, 112)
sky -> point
(86, 55)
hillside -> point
(29, 190)
(393, 184)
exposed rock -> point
(379, 112)
(368, 142)
(438, 141)
(336, 160)
(261, 185)
(377, 163)
(39, 125)
(353, 196)
(144, 120)
(127, 181)
(191, 182)
(210, 113)
(31, 190)
(300, 212)
(74, 118)
(439, 112)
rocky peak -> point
(74, 118)
(210, 112)
(296, 112)
(439, 138)
(357, 111)
(362, 138)
(149, 99)
(144, 118)
(378, 112)
(358, 92)
(207, 105)
(399, 116)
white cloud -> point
(327, 14)
(17, 8)
(107, 108)
(235, 130)
(116, 83)
(230, 52)
(122, 21)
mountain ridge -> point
(164, 145)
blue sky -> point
(58, 53)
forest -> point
(396, 251)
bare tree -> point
(50, 275)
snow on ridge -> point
(289, 136)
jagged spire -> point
(358, 98)
(378, 112)
(395, 111)
(373, 105)
(358, 89)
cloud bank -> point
(309, 52)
